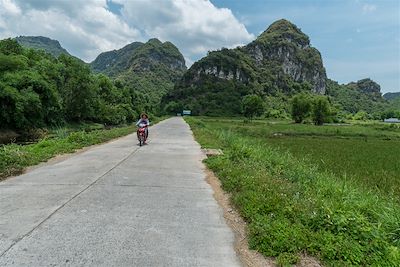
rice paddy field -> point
(331, 192)
(367, 153)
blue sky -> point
(357, 38)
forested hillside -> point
(364, 95)
(38, 90)
(394, 108)
(390, 96)
(279, 63)
(150, 69)
(42, 43)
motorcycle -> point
(142, 135)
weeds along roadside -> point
(292, 208)
(15, 158)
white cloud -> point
(194, 26)
(85, 28)
(88, 27)
(368, 8)
(10, 7)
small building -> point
(392, 120)
(186, 112)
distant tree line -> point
(39, 90)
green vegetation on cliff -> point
(280, 62)
(394, 105)
(149, 69)
(363, 95)
(115, 61)
(50, 46)
(391, 96)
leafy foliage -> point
(391, 96)
(316, 106)
(218, 98)
(38, 90)
(281, 30)
(48, 45)
(252, 106)
(320, 110)
(301, 107)
(148, 69)
(259, 68)
(393, 111)
(354, 97)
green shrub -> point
(301, 107)
(361, 116)
(252, 106)
(320, 110)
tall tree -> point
(252, 105)
(321, 110)
(301, 107)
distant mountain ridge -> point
(138, 57)
(150, 68)
(281, 61)
(107, 61)
(391, 96)
(363, 95)
(44, 43)
(278, 64)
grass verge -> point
(292, 207)
(15, 158)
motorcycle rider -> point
(143, 122)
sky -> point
(357, 38)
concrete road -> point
(117, 205)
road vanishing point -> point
(117, 204)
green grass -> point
(375, 164)
(15, 158)
(270, 128)
(367, 153)
(293, 205)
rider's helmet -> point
(144, 115)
